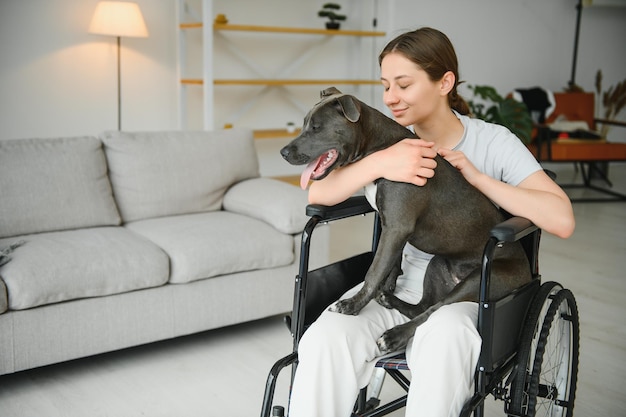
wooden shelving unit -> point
(275, 133)
(279, 29)
(291, 179)
(276, 82)
(204, 21)
(259, 81)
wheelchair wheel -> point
(547, 366)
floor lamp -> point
(118, 18)
(579, 10)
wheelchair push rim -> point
(547, 369)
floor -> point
(223, 372)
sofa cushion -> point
(59, 266)
(277, 203)
(167, 173)
(204, 245)
(54, 184)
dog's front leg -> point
(397, 337)
(437, 284)
(384, 265)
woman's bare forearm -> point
(342, 183)
(410, 160)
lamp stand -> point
(119, 87)
(118, 18)
(579, 8)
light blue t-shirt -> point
(494, 151)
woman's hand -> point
(458, 160)
(537, 198)
(410, 160)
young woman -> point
(419, 73)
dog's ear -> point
(350, 108)
(329, 92)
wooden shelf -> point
(198, 81)
(198, 15)
(278, 29)
(291, 179)
(274, 133)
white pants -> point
(338, 352)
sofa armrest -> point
(278, 203)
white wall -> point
(525, 43)
(56, 79)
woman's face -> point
(409, 93)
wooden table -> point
(586, 153)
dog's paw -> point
(392, 340)
(345, 307)
(385, 300)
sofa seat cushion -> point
(59, 266)
(157, 174)
(205, 245)
(54, 184)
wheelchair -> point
(529, 354)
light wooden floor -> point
(222, 372)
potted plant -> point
(505, 111)
(329, 10)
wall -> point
(57, 79)
(524, 43)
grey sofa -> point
(130, 238)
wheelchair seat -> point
(534, 324)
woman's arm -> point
(410, 160)
(536, 198)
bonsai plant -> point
(329, 10)
(504, 111)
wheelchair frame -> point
(535, 323)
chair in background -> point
(581, 145)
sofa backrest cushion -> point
(54, 184)
(157, 174)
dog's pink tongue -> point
(306, 174)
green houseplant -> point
(329, 10)
(505, 111)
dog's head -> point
(329, 137)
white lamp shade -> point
(118, 18)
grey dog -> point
(447, 217)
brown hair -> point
(434, 53)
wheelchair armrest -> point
(353, 206)
(513, 229)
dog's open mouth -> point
(318, 167)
